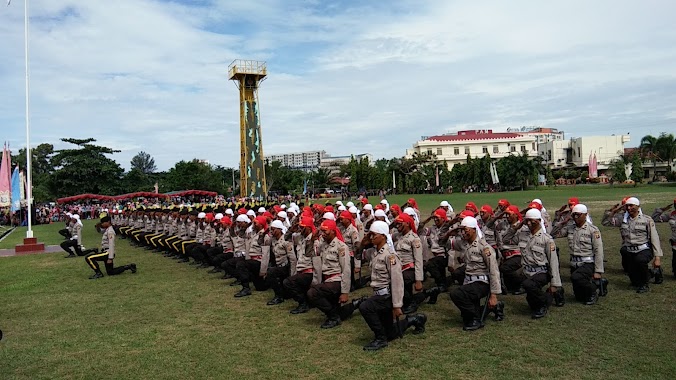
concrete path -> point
(48, 249)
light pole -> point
(29, 158)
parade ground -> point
(173, 321)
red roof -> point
(474, 135)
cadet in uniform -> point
(640, 242)
(75, 240)
(509, 231)
(241, 241)
(482, 277)
(351, 235)
(662, 215)
(283, 258)
(382, 309)
(251, 269)
(540, 265)
(431, 236)
(335, 286)
(586, 253)
(66, 231)
(107, 253)
(304, 237)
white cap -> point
(277, 224)
(353, 210)
(229, 212)
(282, 214)
(632, 201)
(469, 221)
(69, 214)
(537, 200)
(385, 202)
(579, 208)
(349, 204)
(329, 215)
(368, 206)
(291, 209)
(76, 217)
(201, 215)
(410, 211)
(218, 216)
(293, 205)
(341, 208)
(243, 218)
(283, 206)
(339, 203)
(533, 213)
(380, 213)
(251, 213)
(444, 204)
(261, 209)
(379, 227)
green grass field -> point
(172, 321)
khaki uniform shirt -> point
(480, 260)
(76, 233)
(241, 240)
(583, 242)
(409, 249)
(539, 255)
(640, 230)
(659, 216)
(489, 233)
(283, 251)
(259, 246)
(351, 236)
(336, 263)
(386, 272)
(612, 220)
(108, 242)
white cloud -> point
(346, 77)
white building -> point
(542, 135)
(333, 163)
(576, 151)
(455, 147)
(307, 161)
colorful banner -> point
(5, 184)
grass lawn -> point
(172, 321)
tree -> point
(636, 169)
(649, 150)
(143, 162)
(192, 175)
(84, 170)
(617, 170)
(322, 178)
(666, 147)
(41, 169)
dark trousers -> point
(215, 256)
(458, 275)
(673, 257)
(65, 233)
(230, 266)
(512, 273)
(296, 286)
(637, 265)
(535, 296)
(68, 244)
(92, 260)
(581, 277)
(409, 295)
(249, 271)
(468, 299)
(436, 267)
(377, 313)
(198, 252)
(274, 279)
(324, 297)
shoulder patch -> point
(341, 250)
(393, 259)
(487, 251)
(597, 235)
(552, 247)
(416, 243)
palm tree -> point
(666, 147)
(648, 148)
(322, 177)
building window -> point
(512, 148)
(438, 151)
(456, 151)
(466, 150)
(523, 147)
(429, 152)
(495, 149)
(579, 152)
(533, 146)
(484, 149)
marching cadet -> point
(662, 215)
(537, 203)
(382, 310)
(107, 253)
(540, 265)
(436, 266)
(75, 240)
(482, 277)
(251, 269)
(640, 243)
(409, 250)
(335, 271)
(304, 236)
(586, 253)
(283, 259)
(240, 232)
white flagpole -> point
(29, 158)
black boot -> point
(132, 267)
(243, 293)
(357, 301)
(643, 289)
(215, 270)
(473, 324)
(519, 292)
(194, 263)
(410, 308)
(376, 344)
(592, 299)
(499, 311)
(301, 308)
(227, 276)
(275, 301)
(237, 282)
(96, 275)
(418, 322)
(539, 313)
(433, 294)
(331, 323)
(69, 256)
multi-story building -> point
(333, 163)
(576, 151)
(454, 147)
(542, 135)
(306, 161)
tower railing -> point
(243, 66)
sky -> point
(348, 77)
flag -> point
(5, 184)
(589, 166)
(16, 190)
(437, 177)
(494, 174)
(595, 169)
(305, 187)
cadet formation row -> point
(315, 255)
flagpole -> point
(29, 158)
